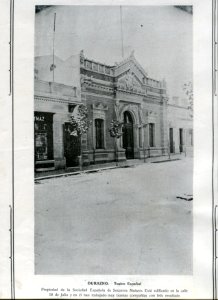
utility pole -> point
(121, 31)
(53, 65)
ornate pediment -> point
(130, 64)
(129, 81)
(130, 75)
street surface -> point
(119, 221)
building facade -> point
(180, 126)
(122, 92)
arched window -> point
(99, 133)
(127, 118)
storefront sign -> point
(39, 118)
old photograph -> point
(113, 140)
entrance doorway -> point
(128, 143)
(171, 141)
(71, 147)
(43, 141)
(180, 140)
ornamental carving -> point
(99, 106)
(151, 113)
(129, 82)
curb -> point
(79, 172)
(94, 170)
(166, 160)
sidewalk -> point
(105, 166)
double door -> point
(171, 141)
(128, 142)
(72, 147)
(180, 140)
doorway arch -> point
(128, 139)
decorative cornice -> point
(153, 100)
(87, 82)
(84, 93)
(127, 91)
(59, 100)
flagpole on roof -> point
(121, 31)
(53, 65)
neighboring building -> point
(51, 114)
(180, 124)
(123, 92)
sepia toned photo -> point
(113, 140)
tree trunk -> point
(116, 154)
(81, 156)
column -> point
(141, 136)
(136, 140)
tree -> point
(79, 120)
(188, 89)
(116, 132)
(79, 124)
(115, 129)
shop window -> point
(43, 136)
(151, 134)
(99, 133)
